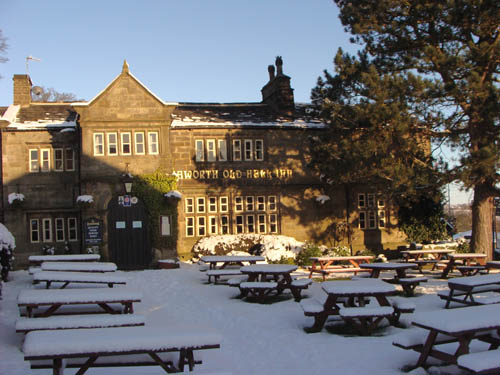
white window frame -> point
(211, 150)
(212, 205)
(372, 219)
(165, 225)
(236, 149)
(381, 218)
(362, 220)
(138, 142)
(34, 162)
(259, 150)
(45, 159)
(249, 203)
(250, 224)
(47, 229)
(153, 143)
(199, 150)
(380, 202)
(201, 205)
(240, 226)
(72, 229)
(112, 143)
(189, 205)
(223, 204)
(361, 200)
(201, 226)
(261, 223)
(370, 200)
(98, 144)
(260, 205)
(35, 230)
(190, 226)
(272, 203)
(59, 229)
(248, 149)
(273, 223)
(225, 224)
(67, 159)
(222, 149)
(58, 159)
(238, 203)
(212, 225)
(125, 143)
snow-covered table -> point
(82, 348)
(79, 266)
(462, 259)
(419, 256)
(32, 299)
(227, 260)
(36, 260)
(462, 289)
(327, 265)
(50, 277)
(458, 325)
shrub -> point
(309, 250)
(337, 251)
(463, 247)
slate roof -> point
(2, 110)
(46, 112)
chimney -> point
(278, 93)
(22, 89)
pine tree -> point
(427, 68)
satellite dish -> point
(37, 90)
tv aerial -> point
(28, 58)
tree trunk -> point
(482, 215)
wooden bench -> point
(37, 260)
(365, 319)
(410, 283)
(258, 289)
(484, 362)
(83, 348)
(414, 339)
(470, 270)
(66, 278)
(25, 325)
(217, 273)
(401, 306)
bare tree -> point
(3, 48)
(51, 95)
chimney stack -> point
(22, 89)
(278, 93)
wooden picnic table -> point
(66, 278)
(226, 260)
(419, 256)
(460, 326)
(463, 259)
(327, 265)
(407, 283)
(79, 266)
(463, 289)
(33, 299)
(36, 260)
(348, 298)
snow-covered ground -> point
(257, 338)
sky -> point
(183, 51)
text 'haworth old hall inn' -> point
(239, 168)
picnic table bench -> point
(218, 273)
(95, 347)
(66, 278)
(337, 264)
(25, 325)
(463, 289)
(421, 257)
(226, 260)
(462, 259)
(407, 283)
(37, 260)
(79, 266)
(53, 299)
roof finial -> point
(125, 67)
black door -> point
(128, 237)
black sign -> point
(93, 231)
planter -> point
(168, 264)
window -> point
(200, 205)
(224, 223)
(362, 220)
(34, 161)
(58, 159)
(273, 223)
(222, 149)
(212, 204)
(153, 143)
(69, 159)
(34, 230)
(261, 223)
(201, 226)
(381, 219)
(189, 208)
(361, 200)
(199, 150)
(261, 203)
(224, 204)
(238, 204)
(236, 149)
(249, 204)
(372, 223)
(45, 160)
(59, 222)
(72, 229)
(165, 225)
(211, 152)
(212, 225)
(126, 148)
(271, 203)
(248, 149)
(370, 198)
(380, 202)
(239, 224)
(47, 230)
(112, 144)
(139, 143)
(98, 144)
(250, 224)
(190, 227)
(259, 150)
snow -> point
(90, 295)
(65, 257)
(78, 277)
(42, 124)
(15, 197)
(321, 199)
(6, 238)
(11, 113)
(188, 122)
(79, 266)
(85, 198)
(267, 339)
(173, 194)
(358, 286)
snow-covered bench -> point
(485, 362)
(66, 278)
(365, 319)
(79, 266)
(53, 299)
(401, 306)
(94, 347)
(25, 325)
(410, 283)
(217, 273)
(259, 289)
(467, 287)
(37, 260)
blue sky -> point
(184, 50)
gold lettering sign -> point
(233, 174)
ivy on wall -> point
(151, 188)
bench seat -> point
(470, 270)
(401, 306)
(365, 319)
(414, 339)
(311, 307)
(484, 362)
(301, 283)
(236, 281)
(216, 274)
(25, 325)
(50, 277)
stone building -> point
(240, 168)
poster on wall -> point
(92, 231)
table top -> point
(358, 287)
(338, 258)
(478, 280)
(388, 266)
(467, 255)
(268, 268)
(64, 257)
(428, 251)
(79, 266)
(64, 276)
(231, 258)
(90, 295)
(459, 321)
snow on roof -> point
(42, 124)
(11, 113)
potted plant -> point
(16, 200)
(84, 201)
